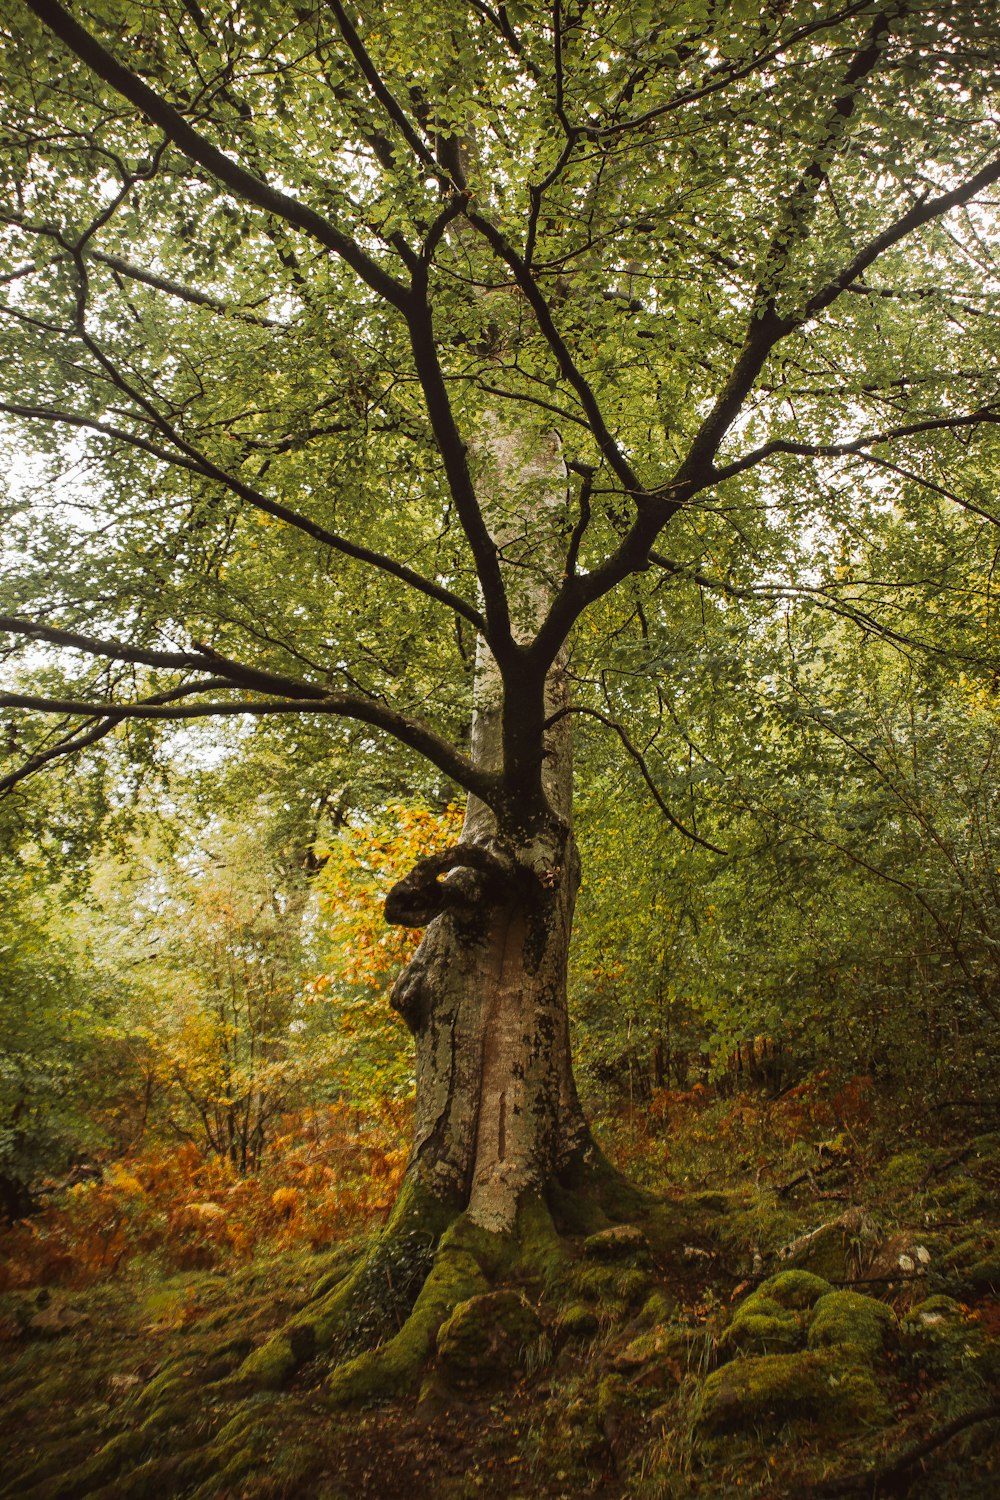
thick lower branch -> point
(414, 733)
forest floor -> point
(828, 1324)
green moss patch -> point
(763, 1326)
(487, 1336)
(850, 1318)
(772, 1320)
(828, 1386)
(791, 1289)
(667, 1344)
(577, 1321)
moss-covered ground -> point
(816, 1302)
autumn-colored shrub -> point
(706, 1137)
(328, 1175)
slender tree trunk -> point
(497, 1114)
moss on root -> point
(540, 1255)
(468, 1259)
(343, 1316)
(487, 1336)
(465, 1255)
(84, 1479)
(594, 1195)
(393, 1369)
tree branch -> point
(767, 327)
(923, 212)
(640, 760)
(731, 73)
(384, 96)
(115, 650)
(194, 461)
(237, 178)
(183, 293)
(72, 743)
(413, 733)
(454, 454)
(984, 414)
(823, 599)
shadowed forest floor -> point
(828, 1308)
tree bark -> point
(497, 1113)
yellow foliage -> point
(327, 1174)
(285, 1200)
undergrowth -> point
(327, 1176)
(832, 1299)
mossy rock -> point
(668, 1344)
(772, 1320)
(758, 1222)
(850, 1318)
(932, 1319)
(762, 1326)
(790, 1289)
(961, 1196)
(487, 1335)
(607, 1284)
(54, 1320)
(829, 1386)
(827, 1252)
(622, 1243)
(658, 1308)
(577, 1435)
(578, 1321)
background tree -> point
(55, 1004)
(393, 344)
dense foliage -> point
(230, 476)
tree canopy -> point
(273, 271)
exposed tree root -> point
(391, 1369)
(392, 1269)
(898, 1475)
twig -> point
(937, 1168)
(872, 1480)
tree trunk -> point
(497, 1113)
(485, 995)
(498, 1123)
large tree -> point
(372, 356)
